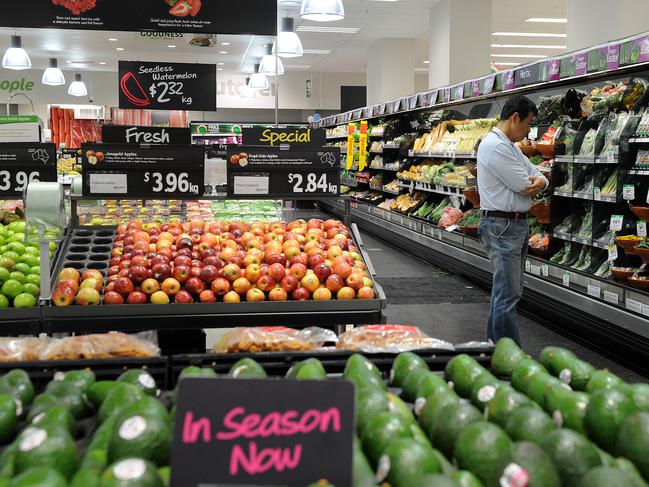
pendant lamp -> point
(77, 87)
(258, 81)
(246, 92)
(16, 57)
(53, 76)
(267, 65)
(322, 10)
(288, 43)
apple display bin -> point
(90, 247)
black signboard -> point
(244, 432)
(273, 172)
(121, 134)
(255, 17)
(275, 137)
(20, 164)
(118, 170)
(167, 86)
(527, 75)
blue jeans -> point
(505, 241)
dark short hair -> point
(518, 104)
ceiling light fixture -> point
(225, 43)
(529, 34)
(120, 49)
(16, 57)
(220, 64)
(258, 81)
(246, 92)
(328, 30)
(267, 64)
(77, 87)
(223, 52)
(53, 76)
(102, 62)
(112, 39)
(425, 62)
(322, 10)
(288, 44)
(534, 56)
(547, 20)
(171, 46)
(530, 46)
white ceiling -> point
(375, 19)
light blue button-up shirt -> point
(503, 174)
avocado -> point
(528, 424)
(86, 478)
(464, 478)
(447, 467)
(602, 379)
(363, 474)
(538, 384)
(98, 391)
(533, 460)
(165, 475)
(573, 411)
(141, 429)
(431, 383)
(121, 396)
(412, 383)
(505, 401)
(8, 417)
(522, 373)
(437, 480)
(640, 395)
(462, 370)
(554, 359)
(431, 409)
(39, 477)
(42, 403)
(371, 401)
(404, 365)
(382, 430)
(101, 437)
(505, 357)
(140, 378)
(631, 469)
(606, 459)
(409, 461)
(55, 418)
(483, 389)
(571, 453)
(19, 385)
(95, 460)
(193, 371)
(69, 396)
(8, 461)
(359, 363)
(608, 477)
(633, 441)
(554, 396)
(82, 379)
(400, 408)
(309, 369)
(38, 447)
(451, 420)
(478, 448)
(131, 472)
(247, 367)
(607, 410)
(576, 373)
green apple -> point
(22, 267)
(24, 300)
(16, 237)
(18, 276)
(17, 247)
(3, 230)
(31, 250)
(32, 289)
(4, 302)
(36, 270)
(52, 246)
(3, 249)
(4, 274)
(33, 279)
(12, 255)
(18, 226)
(8, 263)
(11, 288)
(31, 260)
(3, 240)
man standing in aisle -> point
(507, 182)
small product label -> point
(641, 229)
(565, 376)
(132, 428)
(566, 386)
(566, 279)
(616, 222)
(452, 228)
(633, 305)
(533, 133)
(451, 385)
(557, 417)
(611, 297)
(514, 476)
(486, 393)
(383, 469)
(612, 253)
(597, 194)
(391, 376)
(59, 376)
(645, 309)
(129, 469)
(628, 192)
(38, 418)
(19, 407)
(33, 438)
(594, 291)
(535, 270)
(419, 405)
(146, 381)
(528, 265)
(545, 270)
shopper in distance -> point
(507, 182)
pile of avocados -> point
(555, 422)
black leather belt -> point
(516, 215)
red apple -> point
(289, 283)
(68, 283)
(277, 294)
(150, 286)
(323, 271)
(231, 297)
(343, 269)
(110, 287)
(183, 297)
(124, 286)
(298, 270)
(310, 282)
(255, 294)
(322, 294)
(114, 261)
(241, 286)
(208, 273)
(161, 271)
(266, 283)
(112, 271)
(300, 294)
(137, 273)
(315, 260)
(231, 272)
(213, 261)
(207, 296)
(170, 286)
(111, 297)
(346, 293)
(181, 273)
(220, 286)
(87, 296)
(63, 295)
(69, 273)
(251, 259)
(195, 272)
(277, 271)
(194, 285)
(355, 281)
(365, 293)
(159, 297)
(183, 260)
(139, 260)
(253, 272)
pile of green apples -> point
(20, 269)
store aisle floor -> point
(449, 307)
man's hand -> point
(538, 185)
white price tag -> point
(597, 194)
(108, 183)
(533, 134)
(633, 305)
(611, 154)
(628, 192)
(452, 228)
(612, 253)
(535, 270)
(594, 291)
(545, 270)
(528, 265)
(611, 297)
(647, 196)
(641, 229)
(566, 279)
(616, 222)
(251, 184)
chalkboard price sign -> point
(21, 164)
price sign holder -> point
(21, 164)
(305, 434)
(140, 171)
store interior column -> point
(592, 22)
(390, 69)
(459, 42)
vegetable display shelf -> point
(442, 155)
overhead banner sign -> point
(276, 137)
(167, 86)
(254, 17)
(21, 164)
(264, 432)
(119, 134)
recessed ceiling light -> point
(223, 52)
(329, 30)
(225, 43)
(530, 46)
(119, 49)
(102, 62)
(220, 64)
(535, 56)
(425, 62)
(171, 46)
(112, 39)
(529, 34)
(422, 70)
(547, 20)
(317, 51)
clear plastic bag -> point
(21, 349)
(450, 217)
(389, 338)
(103, 345)
(273, 339)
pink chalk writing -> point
(192, 429)
(257, 462)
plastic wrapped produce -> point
(273, 339)
(450, 217)
(20, 349)
(389, 338)
(104, 345)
